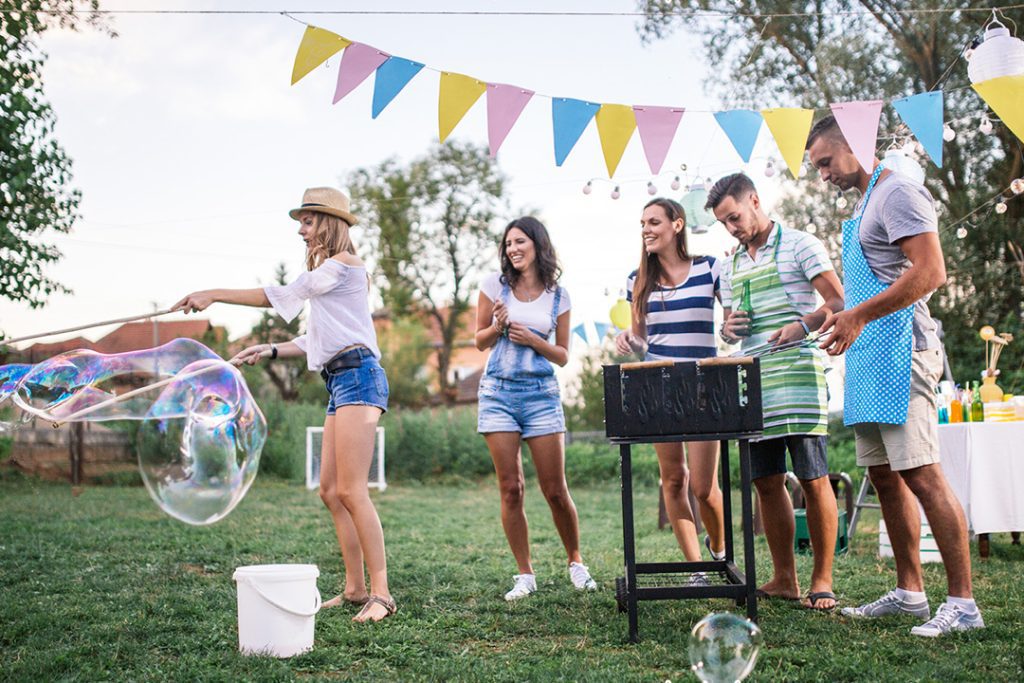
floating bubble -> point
(724, 647)
(201, 435)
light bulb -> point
(948, 134)
(588, 187)
(802, 172)
(615, 193)
(769, 169)
(1017, 185)
(961, 233)
(675, 182)
(986, 125)
(968, 53)
(811, 228)
(841, 201)
(651, 189)
(1001, 208)
(682, 167)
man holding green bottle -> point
(779, 273)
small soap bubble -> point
(724, 647)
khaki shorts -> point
(916, 442)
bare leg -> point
(548, 453)
(354, 439)
(823, 524)
(779, 530)
(903, 523)
(348, 540)
(702, 457)
(949, 527)
(674, 480)
(508, 465)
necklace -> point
(531, 299)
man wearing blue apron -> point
(782, 271)
(892, 262)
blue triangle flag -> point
(923, 115)
(570, 118)
(602, 330)
(391, 77)
(581, 332)
(742, 127)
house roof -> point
(127, 337)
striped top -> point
(802, 257)
(681, 320)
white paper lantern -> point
(1001, 54)
(898, 162)
(698, 219)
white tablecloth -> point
(984, 463)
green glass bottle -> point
(745, 304)
(977, 407)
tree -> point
(35, 172)
(430, 225)
(286, 374)
(404, 350)
(844, 50)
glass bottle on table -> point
(977, 407)
(956, 408)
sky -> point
(190, 145)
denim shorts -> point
(531, 407)
(366, 385)
(809, 454)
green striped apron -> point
(792, 382)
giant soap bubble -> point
(201, 432)
(724, 647)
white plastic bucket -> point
(277, 606)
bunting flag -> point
(391, 77)
(316, 47)
(602, 330)
(357, 62)
(504, 105)
(615, 126)
(1006, 97)
(859, 123)
(581, 332)
(790, 127)
(458, 94)
(923, 115)
(741, 126)
(569, 119)
(657, 126)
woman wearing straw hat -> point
(341, 344)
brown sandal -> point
(389, 608)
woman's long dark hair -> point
(548, 269)
(649, 272)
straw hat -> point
(325, 200)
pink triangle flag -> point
(357, 62)
(859, 123)
(504, 105)
(657, 126)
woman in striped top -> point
(672, 296)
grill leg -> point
(748, 530)
(625, 462)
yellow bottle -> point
(956, 410)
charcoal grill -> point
(715, 399)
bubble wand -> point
(131, 318)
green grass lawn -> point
(104, 586)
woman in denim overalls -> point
(519, 310)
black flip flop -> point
(821, 595)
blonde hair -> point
(330, 236)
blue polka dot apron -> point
(515, 361)
(878, 361)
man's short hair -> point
(826, 126)
(737, 186)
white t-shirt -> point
(535, 314)
(339, 310)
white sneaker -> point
(888, 605)
(698, 579)
(581, 578)
(714, 556)
(947, 619)
(525, 584)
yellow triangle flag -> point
(316, 46)
(790, 128)
(1006, 97)
(458, 94)
(615, 126)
